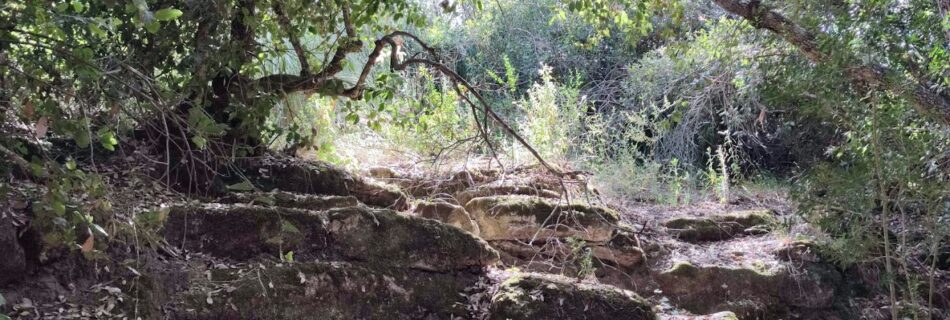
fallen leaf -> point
(42, 126)
(88, 245)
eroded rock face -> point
(447, 213)
(720, 227)
(527, 218)
(534, 296)
(241, 232)
(13, 260)
(312, 177)
(326, 290)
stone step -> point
(538, 296)
(529, 218)
(290, 200)
(721, 226)
(324, 290)
(320, 178)
(242, 232)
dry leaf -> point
(41, 126)
(28, 109)
(88, 245)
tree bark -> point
(865, 77)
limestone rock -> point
(313, 177)
(379, 236)
(447, 213)
(504, 189)
(525, 218)
(719, 227)
(534, 296)
(322, 290)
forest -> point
(475, 159)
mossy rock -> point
(720, 227)
(379, 236)
(523, 218)
(504, 189)
(535, 296)
(447, 213)
(291, 200)
(747, 292)
(314, 177)
(325, 290)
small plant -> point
(581, 257)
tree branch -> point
(866, 77)
(284, 23)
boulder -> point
(376, 236)
(536, 296)
(719, 227)
(324, 290)
(314, 177)
(447, 213)
(291, 200)
(527, 218)
(13, 262)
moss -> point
(534, 296)
(683, 269)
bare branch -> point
(294, 39)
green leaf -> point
(108, 139)
(167, 14)
(286, 226)
(199, 142)
(3, 317)
(152, 27)
(241, 186)
(71, 165)
(3, 302)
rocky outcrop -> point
(241, 232)
(535, 296)
(720, 227)
(447, 213)
(527, 218)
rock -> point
(725, 315)
(535, 296)
(447, 213)
(529, 218)
(313, 177)
(623, 250)
(719, 227)
(382, 173)
(325, 290)
(291, 200)
(377, 236)
(749, 293)
(798, 251)
(504, 189)
(13, 262)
